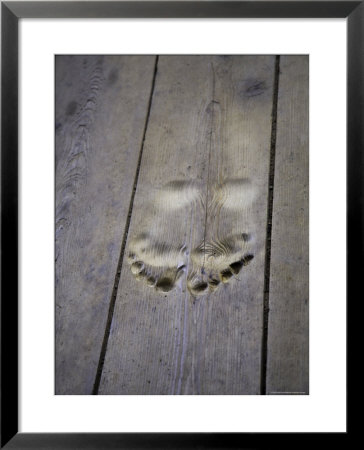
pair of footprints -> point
(156, 257)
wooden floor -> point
(181, 225)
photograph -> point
(181, 224)
(181, 215)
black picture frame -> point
(11, 12)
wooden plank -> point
(287, 364)
(101, 109)
(177, 327)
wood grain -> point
(287, 364)
(101, 109)
(209, 131)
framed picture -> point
(165, 142)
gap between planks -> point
(122, 250)
(264, 353)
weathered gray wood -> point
(223, 351)
(209, 130)
(101, 109)
(287, 366)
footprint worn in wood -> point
(217, 262)
(159, 258)
(159, 264)
(226, 248)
